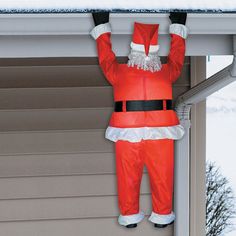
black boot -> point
(131, 226)
(163, 225)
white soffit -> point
(55, 35)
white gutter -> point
(67, 35)
(183, 107)
(208, 87)
(122, 23)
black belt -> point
(143, 105)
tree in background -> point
(220, 202)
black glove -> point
(100, 18)
(178, 17)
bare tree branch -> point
(220, 202)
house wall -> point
(198, 154)
(57, 171)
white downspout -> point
(182, 147)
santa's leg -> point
(159, 160)
(129, 169)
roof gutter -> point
(209, 86)
(122, 23)
(57, 35)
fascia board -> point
(122, 24)
(84, 46)
(67, 35)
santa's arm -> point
(178, 33)
(102, 34)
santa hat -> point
(144, 47)
(145, 37)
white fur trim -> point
(131, 219)
(137, 134)
(162, 219)
(152, 62)
(141, 48)
(100, 29)
(179, 29)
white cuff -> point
(179, 29)
(100, 29)
(131, 219)
(162, 219)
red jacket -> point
(130, 83)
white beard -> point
(151, 62)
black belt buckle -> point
(143, 105)
(118, 106)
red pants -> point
(158, 156)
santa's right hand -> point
(100, 18)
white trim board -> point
(84, 46)
(67, 35)
(122, 24)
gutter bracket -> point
(183, 112)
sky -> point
(121, 4)
(221, 125)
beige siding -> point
(57, 171)
(73, 186)
(74, 227)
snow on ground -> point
(121, 4)
(220, 141)
(221, 126)
(221, 136)
(223, 101)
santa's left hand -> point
(178, 17)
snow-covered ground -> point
(121, 4)
(221, 126)
(223, 102)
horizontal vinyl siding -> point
(57, 171)
(62, 98)
(56, 164)
(62, 186)
(74, 227)
(29, 142)
(34, 112)
(63, 208)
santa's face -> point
(140, 60)
(144, 47)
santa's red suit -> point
(143, 124)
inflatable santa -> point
(143, 125)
